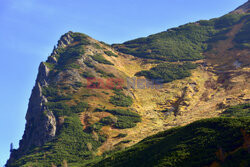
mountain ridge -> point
(62, 97)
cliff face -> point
(83, 104)
(40, 121)
(41, 124)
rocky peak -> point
(65, 40)
(40, 122)
(43, 74)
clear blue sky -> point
(30, 28)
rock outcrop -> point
(65, 40)
(41, 124)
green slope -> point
(184, 43)
(241, 110)
(193, 145)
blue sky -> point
(30, 28)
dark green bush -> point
(122, 112)
(81, 38)
(125, 118)
(80, 107)
(89, 64)
(96, 126)
(104, 74)
(77, 85)
(72, 66)
(167, 72)
(241, 110)
(50, 91)
(53, 94)
(242, 39)
(86, 74)
(120, 99)
(227, 20)
(97, 46)
(100, 59)
(68, 56)
(107, 121)
(59, 108)
(51, 66)
(124, 122)
(121, 135)
(110, 53)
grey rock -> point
(40, 121)
(65, 40)
(52, 59)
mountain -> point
(92, 99)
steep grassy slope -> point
(185, 43)
(210, 142)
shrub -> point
(107, 121)
(51, 66)
(121, 135)
(110, 53)
(59, 108)
(86, 74)
(100, 59)
(53, 94)
(167, 72)
(96, 126)
(241, 110)
(77, 84)
(72, 66)
(227, 20)
(80, 107)
(97, 46)
(125, 118)
(122, 112)
(50, 91)
(120, 99)
(104, 74)
(89, 64)
(242, 38)
(68, 56)
(81, 38)
(124, 122)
